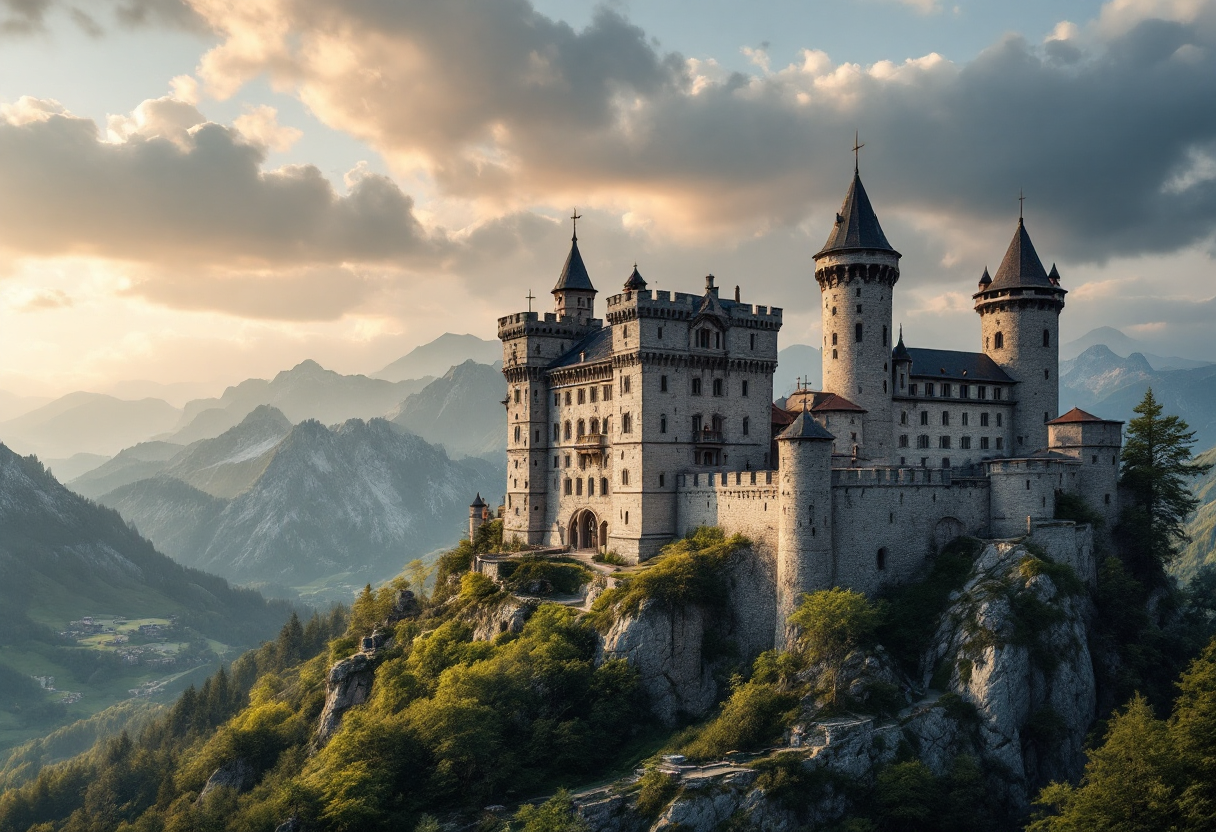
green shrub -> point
(785, 778)
(475, 586)
(610, 557)
(554, 815)
(687, 572)
(753, 717)
(1062, 575)
(657, 790)
(564, 577)
(1076, 508)
(834, 623)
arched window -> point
(567, 429)
(834, 342)
(582, 428)
(626, 423)
(1047, 337)
(595, 425)
(998, 341)
(833, 353)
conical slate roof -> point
(478, 503)
(856, 225)
(1054, 274)
(805, 427)
(635, 283)
(985, 279)
(1021, 266)
(574, 273)
(900, 353)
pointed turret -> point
(900, 353)
(574, 295)
(1054, 275)
(985, 279)
(635, 283)
(1021, 265)
(856, 225)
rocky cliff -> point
(1006, 692)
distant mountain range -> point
(281, 506)
(1100, 381)
(1123, 346)
(306, 391)
(87, 423)
(435, 358)
(462, 411)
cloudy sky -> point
(208, 190)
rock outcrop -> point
(349, 684)
(236, 774)
(1008, 682)
(505, 616)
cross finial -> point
(1021, 201)
(576, 216)
(530, 298)
(857, 146)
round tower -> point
(479, 515)
(1019, 313)
(857, 270)
(574, 295)
(804, 530)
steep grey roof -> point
(574, 273)
(478, 503)
(595, 346)
(1054, 274)
(1021, 265)
(635, 283)
(856, 225)
(805, 427)
(900, 353)
(985, 278)
(952, 365)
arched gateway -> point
(585, 530)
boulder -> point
(236, 774)
(349, 684)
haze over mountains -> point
(286, 506)
(437, 357)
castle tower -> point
(530, 343)
(1096, 444)
(1020, 321)
(574, 296)
(856, 270)
(479, 515)
(804, 530)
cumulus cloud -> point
(501, 104)
(260, 125)
(25, 17)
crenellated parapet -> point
(681, 306)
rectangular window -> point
(924, 417)
(903, 440)
(582, 395)
(903, 417)
(662, 480)
(595, 394)
(717, 387)
(983, 420)
(696, 386)
(557, 399)
(607, 392)
(624, 384)
(1000, 420)
(964, 442)
(943, 441)
(966, 418)
(912, 390)
(981, 392)
(578, 487)
(922, 441)
(983, 443)
(996, 393)
(964, 391)
(1000, 442)
(557, 463)
(947, 390)
(660, 333)
(569, 486)
(557, 432)
(928, 388)
(945, 418)
(567, 397)
(662, 384)
(745, 384)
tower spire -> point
(576, 216)
(857, 146)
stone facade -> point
(628, 431)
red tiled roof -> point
(1078, 415)
(781, 417)
(821, 402)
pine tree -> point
(1193, 731)
(1157, 463)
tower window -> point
(753, 341)
(662, 480)
(626, 423)
(884, 335)
(857, 332)
(567, 397)
(566, 430)
(881, 560)
(607, 392)
(594, 394)
(517, 395)
(696, 386)
(834, 342)
(663, 424)
(1047, 337)
(746, 426)
(578, 489)
(569, 486)
(1046, 417)
(557, 399)
(624, 384)
(662, 384)
(1046, 374)
(624, 476)
(660, 333)
(603, 486)
(1000, 419)
(998, 340)
(517, 433)
(834, 353)
(903, 417)
(745, 387)
(858, 291)
(557, 431)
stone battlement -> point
(534, 323)
(649, 303)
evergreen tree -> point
(1156, 466)
(1193, 730)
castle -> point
(629, 430)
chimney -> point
(709, 285)
(736, 293)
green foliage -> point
(911, 611)
(610, 557)
(563, 577)
(907, 796)
(787, 779)
(1076, 508)
(687, 572)
(751, 718)
(1148, 773)
(476, 587)
(833, 623)
(554, 815)
(1156, 465)
(655, 791)
(1062, 575)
